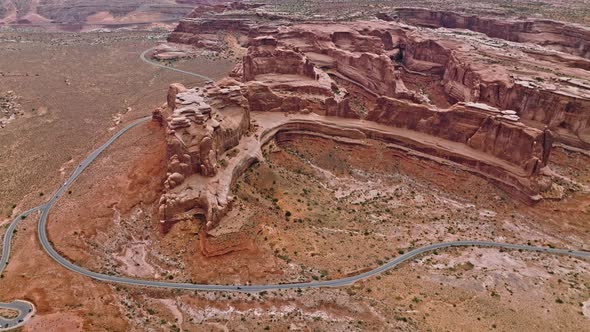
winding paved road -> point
(25, 310)
(24, 307)
(9, 233)
(153, 63)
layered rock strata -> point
(487, 106)
(202, 125)
(478, 126)
(568, 38)
(531, 87)
(546, 87)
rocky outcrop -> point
(426, 56)
(202, 124)
(278, 79)
(355, 83)
(360, 54)
(540, 98)
(481, 127)
(372, 71)
(202, 32)
(264, 57)
(515, 180)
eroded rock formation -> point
(530, 86)
(568, 38)
(202, 124)
(491, 107)
(481, 127)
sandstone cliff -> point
(478, 126)
(448, 96)
(540, 97)
(569, 38)
(202, 124)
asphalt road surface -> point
(24, 309)
(8, 236)
(47, 246)
(153, 63)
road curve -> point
(9, 233)
(258, 288)
(25, 310)
(47, 246)
(153, 63)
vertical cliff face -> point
(554, 108)
(559, 36)
(566, 113)
(478, 126)
(202, 124)
(461, 83)
(264, 57)
(202, 32)
(278, 79)
(201, 131)
(527, 147)
(560, 102)
(487, 106)
(361, 55)
(426, 56)
(542, 98)
(372, 71)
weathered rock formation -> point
(539, 96)
(202, 124)
(280, 79)
(478, 126)
(487, 106)
(202, 32)
(568, 38)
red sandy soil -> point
(479, 288)
(314, 209)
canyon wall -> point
(568, 38)
(264, 57)
(486, 106)
(478, 126)
(542, 99)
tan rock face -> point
(442, 95)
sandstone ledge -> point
(211, 196)
(440, 95)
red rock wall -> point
(262, 98)
(425, 56)
(262, 60)
(570, 115)
(195, 31)
(481, 130)
(560, 36)
(374, 72)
